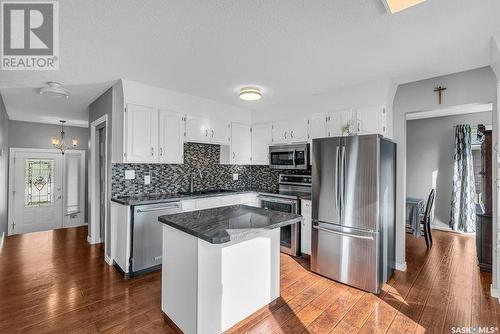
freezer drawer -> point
(347, 255)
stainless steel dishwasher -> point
(146, 238)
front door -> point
(37, 192)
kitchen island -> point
(220, 265)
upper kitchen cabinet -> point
(241, 144)
(262, 137)
(317, 125)
(290, 131)
(205, 130)
(341, 123)
(332, 124)
(141, 134)
(371, 120)
(171, 129)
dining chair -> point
(426, 219)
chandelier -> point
(60, 143)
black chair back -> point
(429, 205)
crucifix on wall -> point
(440, 90)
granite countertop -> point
(228, 223)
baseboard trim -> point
(92, 242)
(108, 260)
(495, 293)
(1, 240)
(401, 266)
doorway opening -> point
(46, 190)
(99, 227)
(449, 154)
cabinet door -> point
(197, 129)
(306, 228)
(338, 121)
(261, 139)
(299, 130)
(208, 203)
(141, 136)
(219, 132)
(171, 137)
(281, 132)
(318, 126)
(371, 120)
(241, 144)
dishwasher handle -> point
(173, 206)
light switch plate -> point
(235, 176)
(129, 174)
(147, 179)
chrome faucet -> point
(191, 179)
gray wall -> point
(473, 86)
(37, 135)
(103, 105)
(429, 151)
(4, 164)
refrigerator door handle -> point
(319, 228)
(342, 180)
(337, 204)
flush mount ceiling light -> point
(250, 93)
(55, 90)
(394, 6)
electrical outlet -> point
(147, 179)
(235, 176)
(129, 174)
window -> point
(39, 182)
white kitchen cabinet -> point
(171, 128)
(241, 144)
(306, 227)
(141, 134)
(188, 205)
(220, 131)
(371, 120)
(262, 137)
(299, 130)
(206, 130)
(290, 131)
(198, 129)
(318, 125)
(280, 132)
(339, 121)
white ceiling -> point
(291, 48)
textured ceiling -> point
(291, 48)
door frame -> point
(94, 236)
(12, 152)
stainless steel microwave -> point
(289, 156)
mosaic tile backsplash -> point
(201, 161)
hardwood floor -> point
(53, 282)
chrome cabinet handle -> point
(291, 134)
(152, 151)
(342, 233)
(161, 150)
(206, 132)
(234, 154)
(212, 133)
(285, 134)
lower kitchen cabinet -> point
(306, 227)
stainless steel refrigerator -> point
(353, 209)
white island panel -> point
(208, 288)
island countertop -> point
(228, 223)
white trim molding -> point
(401, 266)
(94, 221)
(2, 238)
(451, 111)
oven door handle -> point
(277, 200)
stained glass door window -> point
(39, 182)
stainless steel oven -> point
(290, 235)
(289, 156)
